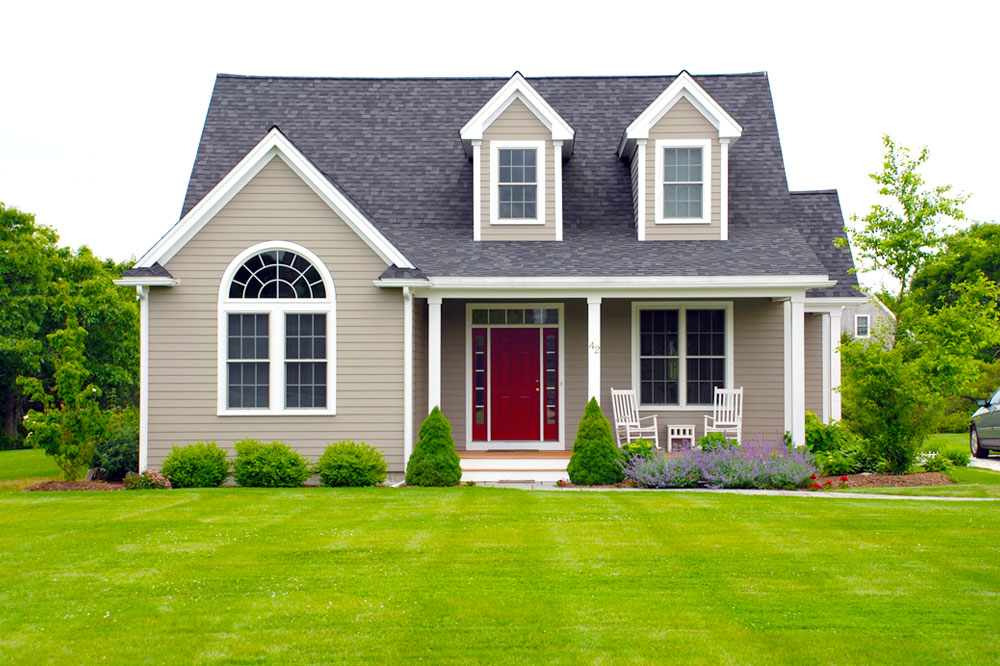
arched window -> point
(277, 332)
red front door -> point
(515, 384)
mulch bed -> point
(72, 485)
(888, 480)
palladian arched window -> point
(276, 333)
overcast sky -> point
(103, 103)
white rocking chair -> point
(628, 424)
(727, 413)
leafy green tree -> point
(41, 284)
(434, 461)
(902, 234)
(964, 256)
(71, 422)
(596, 459)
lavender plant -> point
(661, 471)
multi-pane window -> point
(278, 323)
(861, 327)
(682, 355)
(305, 360)
(247, 366)
(518, 184)
(683, 184)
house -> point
(352, 252)
(867, 319)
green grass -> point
(970, 482)
(480, 576)
(947, 442)
(26, 464)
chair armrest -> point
(648, 418)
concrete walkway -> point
(992, 462)
(766, 493)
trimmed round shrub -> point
(596, 460)
(198, 465)
(434, 461)
(148, 480)
(272, 465)
(118, 455)
(351, 464)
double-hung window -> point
(518, 182)
(683, 180)
(861, 326)
(276, 325)
(681, 352)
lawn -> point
(26, 464)
(479, 575)
(957, 441)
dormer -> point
(678, 148)
(517, 143)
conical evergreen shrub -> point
(595, 459)
(434, 461)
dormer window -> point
(517, 188)
(684, 191)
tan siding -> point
(517, 122)
(683, 121)
(814, 363)
(276, 205)
(419, 364)
(453, 367)
(575, 365)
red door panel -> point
(515, 384)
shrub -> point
(662, 471)
(198, 465)
(596, 459)
(434, 461)
(958, 457)
(756, 465)
(828, 437)
(10, 442)
(118, 454)
(933, 461)
(716, 440)
(639, 447)
(148, 480)
(351, 464)
(272, 465)
(838, 462)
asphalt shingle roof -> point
(393, 147)
(822, 222)
(156, 270)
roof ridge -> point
(565, 77)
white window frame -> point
(706, 177)
(276, 309)
(541, 172)
(682, 307)
(868, 326)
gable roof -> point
(822, 222)
(393, 147)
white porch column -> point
(798, 388)
(835, 402)
(407, 375)
(825, 323)
(142, 293)
(594, 348)
(433, 352)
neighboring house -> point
(353, 252)
(867, 319)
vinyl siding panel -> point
(683, 121)
(419, 364)
(814, 363)
(276, 205)
(517, 123)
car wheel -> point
(977, 450)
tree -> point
(964, 256)
(596, 459)
(71, 422)
(41, 284)
(901, 235)
(434, 461)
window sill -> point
(517, 223)
(683, 220)
(275, 412)
(675, 408)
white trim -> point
(798, 372)
(594, 348)
(407, 375)
(540, 178)
(825, 303)
(640, 200)
(274, 144)
(142, 293)
(868, 326)
(706, 180)
(490, 443)
(724, 187)
(682, 307)
(593, 283)
(516, 88)
(433, 352)
(786, 320)
(477, 186)
(835, 398)
(275, 309)
(160, 281)
(825, 364)
(683, 87)
(557, 166)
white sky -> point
(103, 103)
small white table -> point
(680, 433)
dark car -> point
(984, 430)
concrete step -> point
(501, 475)
(551, 464)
